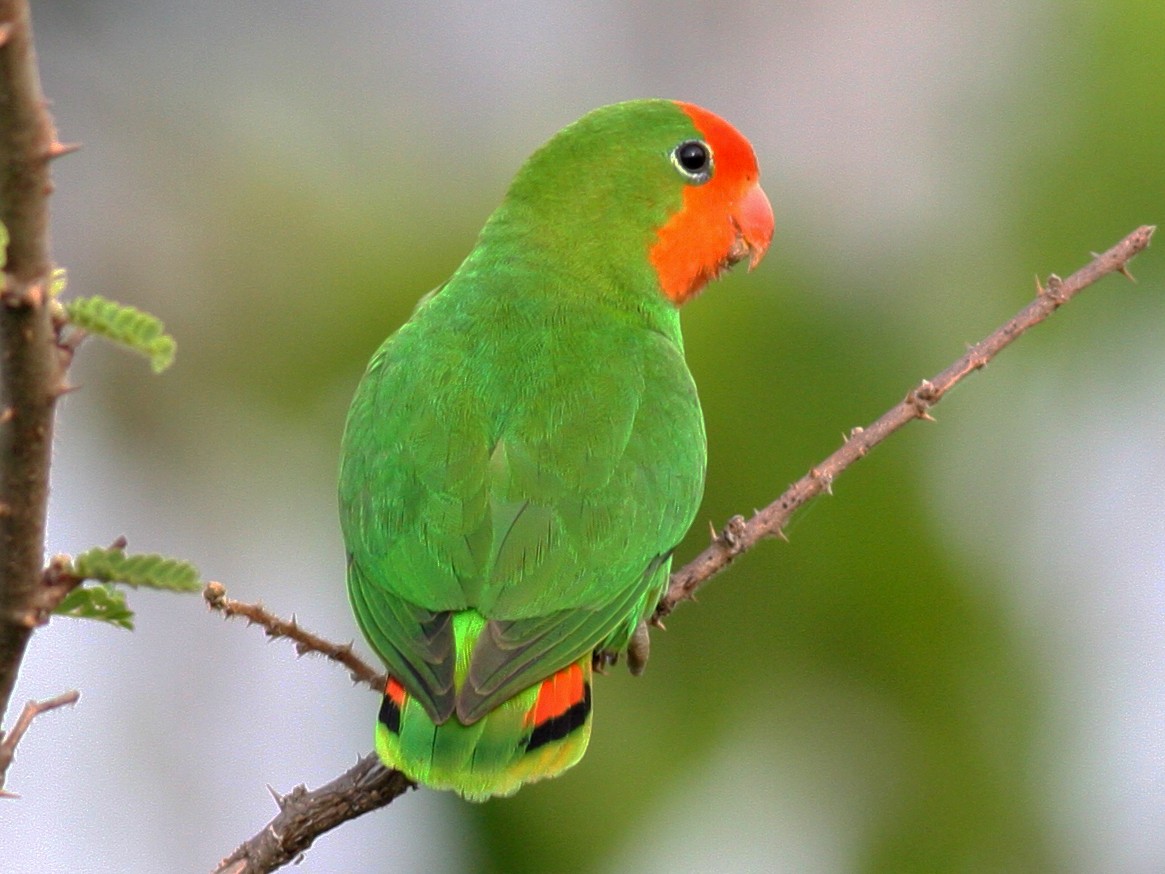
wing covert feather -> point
(537, 483)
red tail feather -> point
(563, 705)
(557, 695)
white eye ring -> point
(693, 159)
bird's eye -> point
(693, 159)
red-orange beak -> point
(753, 218)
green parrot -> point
(522, 456)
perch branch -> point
(31, 373)
(305, 642)
(740, 535)
(305, 815)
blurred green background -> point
(957, 662)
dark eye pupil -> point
(693, 157)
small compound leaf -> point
(103, 603)
(124, 325)
(146, 570)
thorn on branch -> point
(824, 479)
(63, 388)
(58, 149)
(855, 433)
(923, 398)
(280, 798)
(733, 532)
(1054, 290)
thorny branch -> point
(740, 535)
(31, 370)
(304, 815)
(31, 711)
(305, 642)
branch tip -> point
(214, 593)
(304, 640)
(32, 709)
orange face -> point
(722, 221)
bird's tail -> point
(538, 733)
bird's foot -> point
(638, 649)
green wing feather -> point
(533, 457)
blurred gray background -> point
(956, 664)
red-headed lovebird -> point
(523, 455)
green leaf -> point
(103, 603)
(124, 325)
(3, 246)
(112, 566)
(146, 570)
